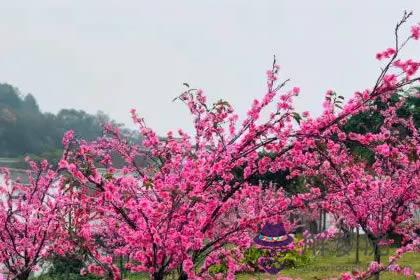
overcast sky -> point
(117, 55)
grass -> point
(331, 266)
(326, 267)
(322, 267)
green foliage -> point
(251, 257)
(289, 259)
(371, 121)
(412, 108)
(297, 117)
(278, 179)
(25, 130)
(66, 267)
(336, 99)
(217, 268)
(293, 259)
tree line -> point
(26, 130)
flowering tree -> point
(30, 229)
(190, 198)
(189, 202)
(376, 268)
(178, 201)
(381, 194)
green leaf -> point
(297, 117)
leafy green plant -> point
(217, 268)
(66, 267)
(251, 257)
(292, 258)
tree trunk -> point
(320, 222)
(158, 275)
(367, 245)
(357, 245)
(23, 276)
(183, 276)
(377, 257)
(121, 267)
(322, 228)
(181, 273)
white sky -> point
(117, 55)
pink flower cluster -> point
(386, 54)
(415, 31)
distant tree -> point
(10, 96)
(25, 130)
(29, 103)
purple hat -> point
(273, 236)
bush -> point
(291, 258)
(66, 267)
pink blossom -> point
(415, 31)
(68, 136)
(374, 267)
(346, 276)
(385, 54)
(407, 271)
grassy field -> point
(326, 267)
(331, 266)
(321, 267)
